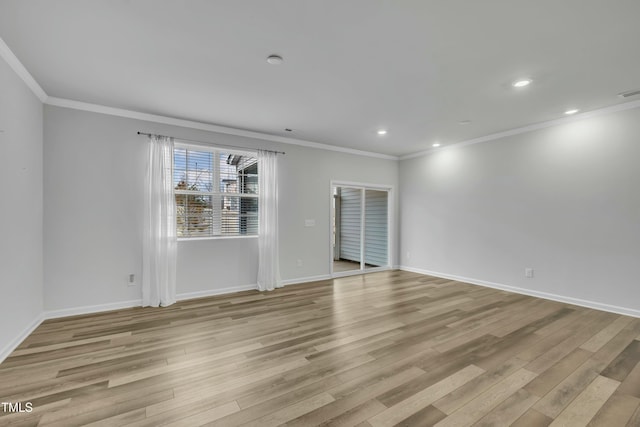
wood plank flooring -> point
(382, 349)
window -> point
(216, 192)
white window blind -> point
(216, 192)
(350, 223)
(376, 235)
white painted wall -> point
(94, 175)
(20, 208)
(564, 201)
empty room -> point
(292, 212)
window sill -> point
(192, 239)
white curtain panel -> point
(159, 249)
(268, 250)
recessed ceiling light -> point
(572, 111)
(629, 93)
(464, 122)
(275, 59)
(521, 83)
(437, 144)
(382, 132)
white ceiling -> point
(416, 68)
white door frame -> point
(390, 225)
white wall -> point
(563, 200)
(94, 175)
(20, 208)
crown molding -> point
(15, 64)
(7, 54)
(530, 128)
(96, 108)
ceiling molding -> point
(7, 54)
(529, 128)
(95, 108)
(15, 64)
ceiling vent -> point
(629, 94)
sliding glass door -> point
(376, 235)
(360, 237)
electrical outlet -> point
(132, 280)
(408, 255)
(299, 262)
(528, 273)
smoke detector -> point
(275, 59)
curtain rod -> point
(205, 142)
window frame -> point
(180, 145)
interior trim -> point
(23, 73)
(15, 64)
(214, 292)
(13, 344)
(530, 128)
(545, 295)
(95, 108)
(90, 309)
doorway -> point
(360, 228)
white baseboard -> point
(306, 279)
(89, 309)
(337, 275)
(213, 292)
(340, 274)
(545, 295)
(75, 311)
(13, 344)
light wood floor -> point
(341, 265)
(391, 348)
